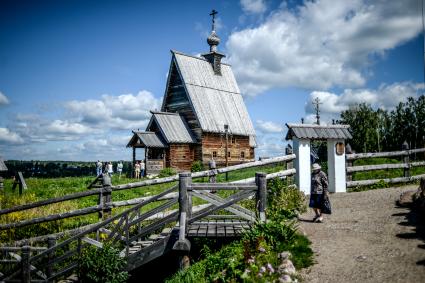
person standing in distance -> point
(98, 168)
(319, 188)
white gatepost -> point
(302, 164)
(336, 166)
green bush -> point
(197, 166)
(102, 265)
(167, 172)
(284, 202)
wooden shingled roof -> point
(216, 99)
(3, 166)
(313, 131)
(145, 139)
(172, 126)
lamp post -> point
(226, 130)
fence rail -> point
(105, 192)
(406, 165)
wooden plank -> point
(280, 174)
(149, 253)
(391, 181)
(221, 186)
(142, 199)
(376, 154)
(49, 201)
(418, 163)
(22, 180)
(51, 217)
(376, 167)
(92, 242)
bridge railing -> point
(406, 164)
(61, 259)
(104, 193)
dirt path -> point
(366, 239)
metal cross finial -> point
(213, 13)
(316, 104)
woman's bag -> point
(326, 205)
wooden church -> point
(203, 116)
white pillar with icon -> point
(336, 166)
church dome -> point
(213, 39)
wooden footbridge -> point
(150, 228)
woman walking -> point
(319, 191)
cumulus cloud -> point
(269, 146)
(386, 96)
(9, 137)
(320, 44)
(66, 127)
(125, 111)
(253, 6)
(3, 99)
(269, 127)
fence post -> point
(212, 166)
(183, 245)
(51, 242)
(406, 159)
(261, 195)
(25, 264)
(348, 163)
(107, 192)
(289, 165)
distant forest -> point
(376, 130)
(54, 169)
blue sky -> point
(77, 76)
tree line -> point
(375, 130)
(55, 169)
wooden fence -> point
(406, 165)
(57, 260)
(104, 193)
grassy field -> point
(45, 188)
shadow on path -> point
(413, 218)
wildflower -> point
(270, 268)
(251, 260)
(259, 275)
(261, 250)
(262, 269)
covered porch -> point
(155, 151)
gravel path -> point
(366, 239)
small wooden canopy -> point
(145, 140)
(3, 166)
(172, 127)
(313, 131)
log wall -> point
(180, 156)
(217, 143)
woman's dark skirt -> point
(316, 201)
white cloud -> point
(386, 97)
(3, 99)
(125, 111)
(66, 127)
(253, 6)
(270, 145)
(320, 44)
(269, 127)
(9, 137)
